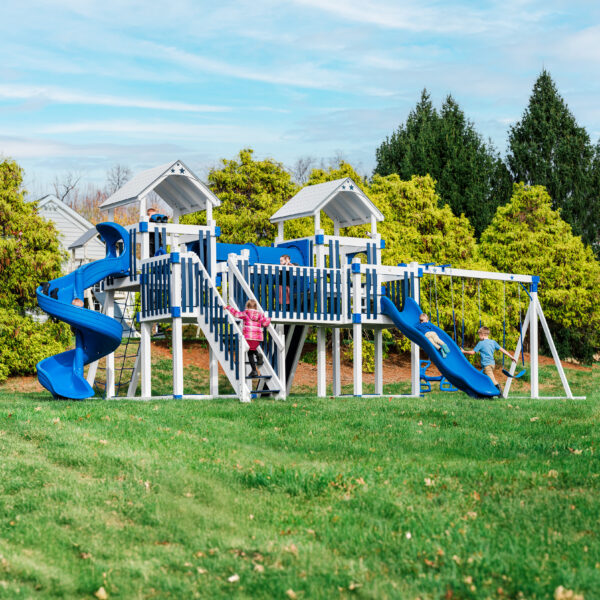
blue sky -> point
(85, 85)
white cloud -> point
(403, 15)
(64, 96)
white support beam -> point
(177, 327)
(378, 361)
(135, 377)
(321, 363)
(415, 359)
(146, 359)
(357, 329)
(281, 352)
(110, 358)
(336, 362)
(534, 342)
(213, 373)
(472, 274)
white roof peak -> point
(179, 187)
(341, 199)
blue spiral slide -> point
(96, 334)
(455, 367)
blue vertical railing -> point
(155, 288)
(219, 321)
(295, 293)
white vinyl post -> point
(336, 362)
(534, 341)
(280, 233)
(110, 358)
(378, 361)
(321, 363)
(146, 363)
(415, 364)
(281, 362)
(321, 331)
(177, 330)
(357, 326)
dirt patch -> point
(396, 368)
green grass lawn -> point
(443, 497)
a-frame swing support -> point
(535, 313)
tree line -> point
(546, 147)
(447, 197)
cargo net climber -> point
(127, 355)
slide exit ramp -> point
(455, 367)
(96, 334)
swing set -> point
(533, 314)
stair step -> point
(256, 393)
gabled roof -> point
(82, 240)
(341, 200)
(60, 205)
(173, 182)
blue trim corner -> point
(143, 226)
(319, 239)
(420, 273)
(217, 231)
(175, 257)
(177, 396)
(175, 311)
(356, 267)
(137, 316)
(382, 246)
(383, 290)
(356, 318)
(534, 283)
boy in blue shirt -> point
(486, 349)
(428, 330)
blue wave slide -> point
(96, 334)
(455, 367)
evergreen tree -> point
(470, 174)
(547, 147)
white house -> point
(72, 227)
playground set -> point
(191, 277)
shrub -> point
(25, 342)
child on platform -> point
(254, 321)
(428, 330)
(486, 349)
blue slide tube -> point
(96, 334)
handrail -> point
(231, 318)
(248, 291)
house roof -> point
(82, 240)
(60, 205)
(341, 200)
(173, 182)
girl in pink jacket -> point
(254, 321)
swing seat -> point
(425, 387)
(516, 375)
